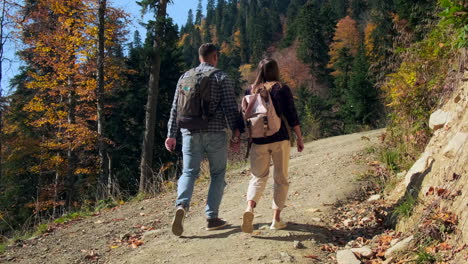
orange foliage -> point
(369, 41)
(293, 72)
(60, 38)
(346, 35)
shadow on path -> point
(232, 230)
(322, 234)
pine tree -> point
(312, 48)
(199, 13)
(340, 7)
(361, 97)
(342, 66)
(210, 12)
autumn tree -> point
(346, 36)
(61, 58)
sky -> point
(177, 11)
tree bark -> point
(100, 95)
(2, 41)
(71, 155)
(146, 164)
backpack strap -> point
(210, 72)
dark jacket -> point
(284, 106)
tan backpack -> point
(260, 114)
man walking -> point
(204, 102)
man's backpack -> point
(260, 114)
(193, 104)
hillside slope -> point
(320, 176)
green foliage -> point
(72, 216)
(312, 49)
(405, 208)
(105, 204)
(3, 247)
(41, 229)
(391, 158)
(361, 100)
(309, 108)
(423, 257)
(455, 13)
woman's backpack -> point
(260, 114)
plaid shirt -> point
(223, 104)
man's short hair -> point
(206, 49)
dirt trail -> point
(320, 176)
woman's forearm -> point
(297, 130)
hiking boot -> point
(215, 223)
(276, 225)
(247, 221)
(178, 221)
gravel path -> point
(322, 175)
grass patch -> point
(41, 229)
(72, 216)
(3, 248)
(370, 150)
(105, 204)
(405, 208)
(391, 158)
(423, 257)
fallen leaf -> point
(114, 246)
(137, 243)
(328, 248)
(312, 257)
(444, 246)
(430, 191)
(441, 191)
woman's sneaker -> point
(215, 223)
(247, 221)
(178, 221)
(276, 225)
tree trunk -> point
(2, 41)
(71, 155)
(146, 164)
(100, 96)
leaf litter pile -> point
(369, 224)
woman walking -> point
(275, 146)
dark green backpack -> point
(193, 104)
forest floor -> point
(323, 179)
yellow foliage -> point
(182, 40)
(369, 41)
(237, 38)
(226, 49)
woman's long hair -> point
(268, 71)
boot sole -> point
(177, 223)
(247, 222)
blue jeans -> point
(194, 147)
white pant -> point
(260, 168)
